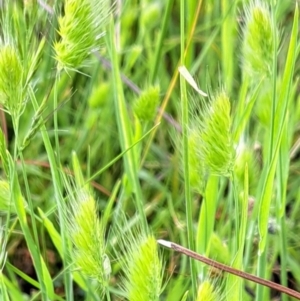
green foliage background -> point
(97, 113)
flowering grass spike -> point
(216, 149)
(11, 79)
(258, 39)
(145, 106)
(143, 269)
(87, 235)
(79, 29)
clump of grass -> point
(209, 148)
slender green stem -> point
(227, 35)
(274, 87)
(261, 272)
(185, 120)
(56, 178)
(206, 223)
(125, 131)
(55, 119)
(157, 55)
(283, 171)
(283, 255)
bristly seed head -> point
(215, 148)
(80, 28)
(11, 79)
(143, 268)
(145, 106)
(87, 235)
(259, 35)
(207, 292)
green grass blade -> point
(158, 50)
(125, 130)
(121, 154)
(3, 290)
(234, 285)
(56, 180)
(43, 274)
(208, 210)
(279, 126)
(185, 122)
(246, 114)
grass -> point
(106, 147)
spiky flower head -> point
(143, 269)
(145, 106)
(207, 292)
(216, 149)
(87, 235)
(86, 231)
(259, 35)
(79, 29)
(11, 79)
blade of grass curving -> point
(14, 292)
(227, 38)
(171, 85)
(214, 30)
(185, 122)
(234, 285)
(3, 255)
(282, 179)
(206, 218)
(24, 276)
(43, 274)
(283, 173)
(56, 180)
(246, 112)
(121, 155)
(279, 126)
(3, 291)
(54, 235)
(108, 212)
(191, 17)
(57, 241)
(125, 130)
(158, 49)
(36, 284)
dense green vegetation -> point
(147, 120)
